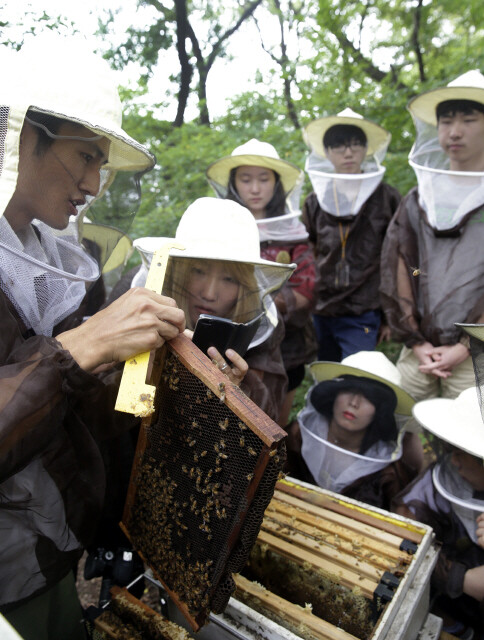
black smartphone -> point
(223, 334)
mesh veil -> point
(342, 195)
(446, 196)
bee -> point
(223, 425)
(192, 443)
(203, 454)
(250, 476)
(194, 424)
(272, 453)
(242, 441)
(242, 426)
(251, 451)
(416, 272)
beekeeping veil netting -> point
(44, 271)
(254, 153)
(225, 232)
(446, 196)
(343, 195)
(332, 466)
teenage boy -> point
(61, 145)
(432, 264)
(346, 217)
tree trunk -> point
(186, 70)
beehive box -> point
(324, 567)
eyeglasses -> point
(341, 148)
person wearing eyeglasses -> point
(346, 216)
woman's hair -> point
(383, 427)
(340, 134)
(248, 303)
(277, 204)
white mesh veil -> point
(446, 196)
(44, 272)
(333, 467)
(342, 194)
(459, 493)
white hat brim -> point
(326, 370)
(377, 136)
(423, 107)
(219, 171)
(442, 418)
(125, 153)
(152, 244)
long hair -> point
(277, 204)
(248, 303)
(382, 427)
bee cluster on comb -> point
(205, 470)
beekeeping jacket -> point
(53, 414)
(365, 233)
(432, 266)
(440, 498)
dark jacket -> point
(429, 279)
(364, 241)
(52, 481)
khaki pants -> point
(54, 615)
(422, 386)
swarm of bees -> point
(192, 515)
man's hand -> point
(444, 359)
(384, 334)
(474, 583)
(138, 321)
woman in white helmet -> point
(449, 496)
(432, 262)
(254, 176)
(346, 438)
(61, 148)
(220, 273)
(347, 216)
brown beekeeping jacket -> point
(52, 482)
(365, 237)
(431, 279)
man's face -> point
(52, 184)
(347, 158)
(461, 136)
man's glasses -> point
(354, 145)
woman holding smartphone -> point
(220, 273)
(254, 176)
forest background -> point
(316, 58)
(183, 69)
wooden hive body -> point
(326, 567)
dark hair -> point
(449, 108)
(340, 134)
(382, 397)
(52, 123)
(277, 204)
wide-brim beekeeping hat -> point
(215, 229)
(255, 153)
(377, 137)
(468, 86)
(368, 364)
(456, 421)
(64, 78)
